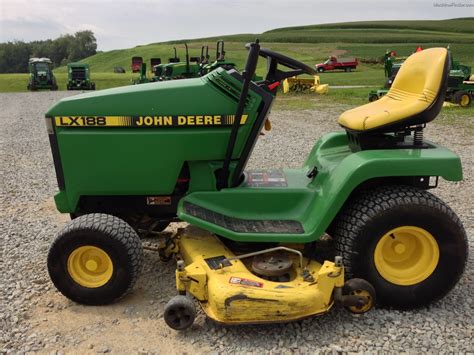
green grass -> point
(18, 82)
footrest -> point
(243, 225)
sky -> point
(125, 23)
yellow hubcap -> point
(365, 308)
(406, 255)
(90, 266)
(464, 100)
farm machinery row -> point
(191, 67)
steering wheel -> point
(275, 58)
(286, 61)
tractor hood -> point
(214, 94)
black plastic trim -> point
(267, 100)
(58, 167)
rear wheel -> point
(95, 259)
(320, 70)
(462, 98)
(405, 241)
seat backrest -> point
(423, 75)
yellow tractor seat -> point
(415, 97)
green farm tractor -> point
(79, 77)
(41, 75)
(181, 70)
(130, 160)
(220, 61)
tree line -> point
(65, 49)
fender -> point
(337, 177)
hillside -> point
(313, 43)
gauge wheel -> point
(95, 259)
(360, 288)
(180, 312)
(403, 240)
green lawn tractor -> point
(129, 160)
(41, 75)
(79, 77)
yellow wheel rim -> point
(367, 307)
(90, 266)
(464, 100)
(406, 255)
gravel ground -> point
(35, 317)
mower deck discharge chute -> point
(130, 160)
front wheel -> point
(95, 259)
(405, 241)
(320, 70)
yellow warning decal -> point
(147, 121)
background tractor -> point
(153, 62)
(41, 75)
(79, 77)
(136, 63)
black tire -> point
(180, 312)
(373, 98)
(370, 215)
(109, 234)
(462, 98)
(361, 288)
(347, 69)
(320, 70)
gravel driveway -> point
(35, 317)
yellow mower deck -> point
(233, 294)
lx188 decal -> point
(147, 121)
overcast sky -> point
(126, 23)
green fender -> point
(315, 202)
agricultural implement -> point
(79, 77)
(298, 84)
(41, 75)
(130, 160)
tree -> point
(64, 49)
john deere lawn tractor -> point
(129, 160)
(41, 75)
(79, 77)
